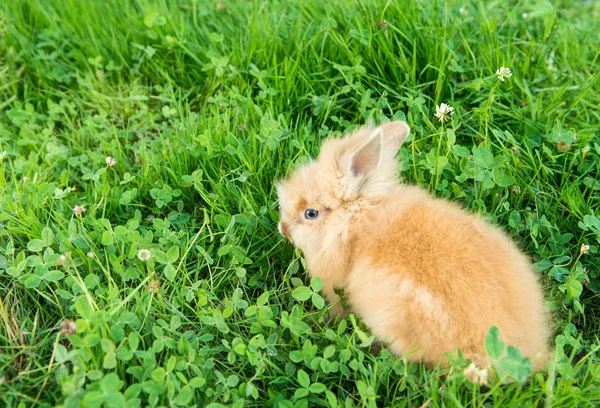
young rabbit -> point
(424, 275)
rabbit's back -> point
(428, 275)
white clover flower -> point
(154, 286)
(550, 61)
(585, 248)
(503, 73)
(90, 254)
(470, 370)
(110, 161)
(563, 146)
(78, 209)
(525, 16)
(476, 375)
(585, 151)
(443, 112)
(68, 327)
(482, 376)
(144, 255)
(61, 260)
(26, 179)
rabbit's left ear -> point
(365, 159)
(382, 144)
(394, 134)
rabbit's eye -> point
(311, 214)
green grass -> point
(204, 104)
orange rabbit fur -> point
(425, 276)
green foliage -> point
(203, 105)
(507, 360)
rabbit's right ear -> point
(394, 134)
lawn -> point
(140, 263)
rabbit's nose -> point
(283, 230)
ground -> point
(202, 105)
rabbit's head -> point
(319, 200)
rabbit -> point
(424, 275)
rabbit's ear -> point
(365, 160)
(394, 134)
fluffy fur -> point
(424, 275)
